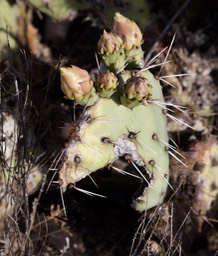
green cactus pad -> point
(129, 125)
(109, 130)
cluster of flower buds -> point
(121, 48)
(77, 85)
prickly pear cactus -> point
(124, 116)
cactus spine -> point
(122, 119)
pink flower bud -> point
(137, 88)
(107, 84)
(107, 81)
(109, 43)
(76, 83)
(128, 30)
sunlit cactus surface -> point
(124, 116)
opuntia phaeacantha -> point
(126, 124)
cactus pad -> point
(128, 125)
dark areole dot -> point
(151, 162)
(105, 140)
(77, 159)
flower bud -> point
(137, 88)
(76, 84)
(128, 30)
(109, 43)
(137, 91)
(107, 84)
